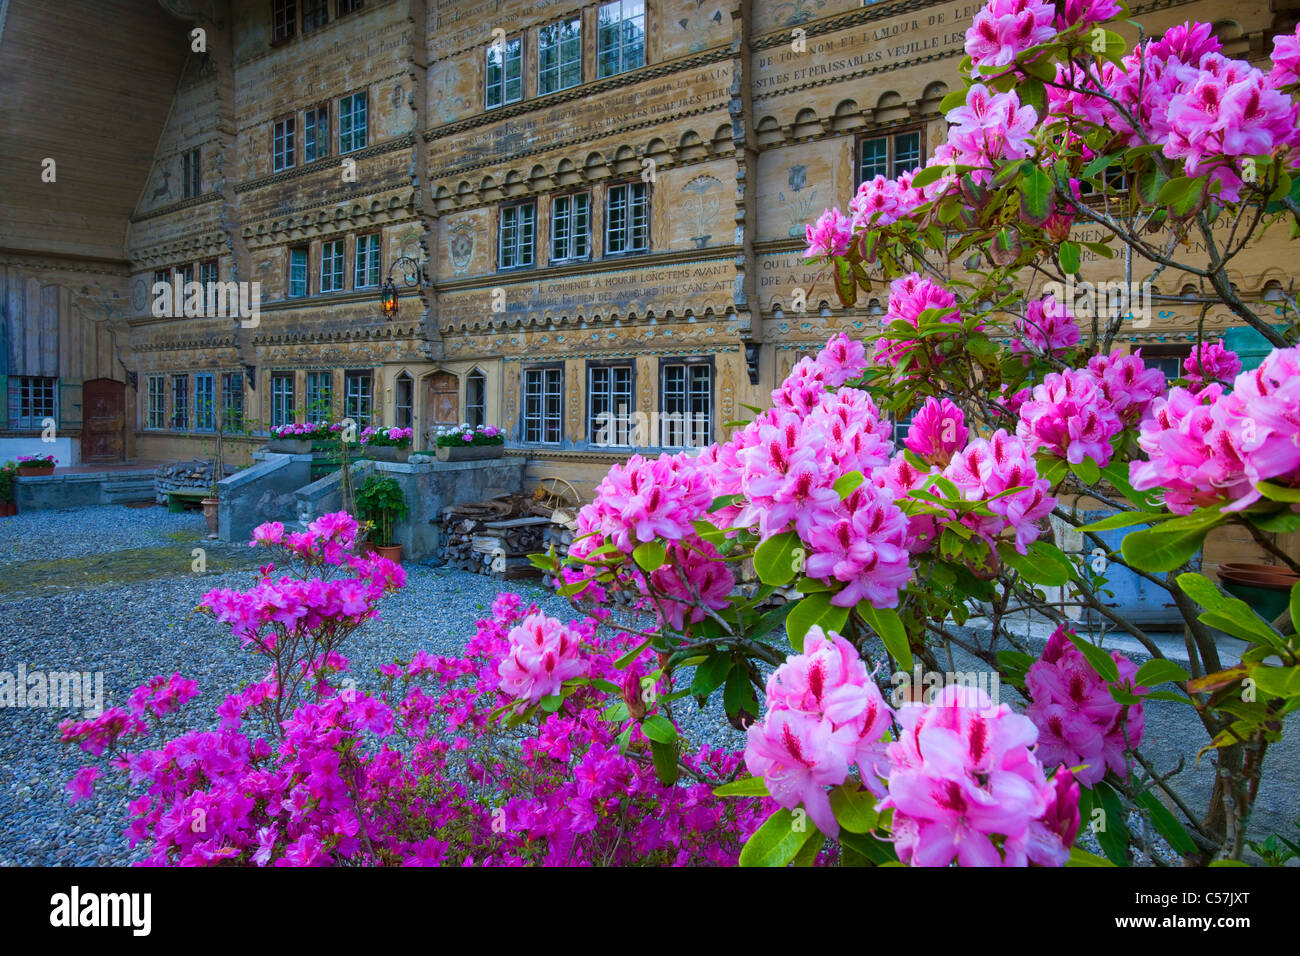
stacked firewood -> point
(493, 538)
(195, 475)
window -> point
(315, 134)
(31, 401)
(405, 401)
(890, 156)
(187, 275)
(352, 123)
(331, 266)
(1167, 358)
(232, 401)
(156, 402)
(346, 6)
(298, 271)
(476, 399)
(366, 273)
(570, 227)
(356, 397)
(282, 409)
(209, 274)
(620, 42)
(191, 173)
(315, 14)
(283, 18)
(205, 402)
(282, 145)
(627, 221)
(1116, 180)
(320, 395)
(162, 275)
(559, 56)
(543, 405)
(505, 72)
(180, 401)
(518, 237)
(609, 405)
(685, 405)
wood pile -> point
(493, 537)
(192, 475)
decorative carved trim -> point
(328, 162)
(200, 200)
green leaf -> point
(569, 590)
(659, 728)
(665, 761)
(846, 483)
(1278, 492)
(1227, 613)
(1068, 255)
(551, 704)
(1036, 197)
(889, 626)
(1278, 681)
(1036, 567)
(633, 654)
(1295, 606)
(1081, 857)
(776, 560)
(1100, 660)
(1158, 671)
(1167, 824)
(650, 556)
(771, 620)
(710, 675)
(1088, 471)
(877, 851)
(1162, 549)
(744, 787)
(854, 809)
(738, 695)
(1124, 519)
(846, 286)
(723, 501)
(814, 610)
(807, 855)
(776, 842)
(1113, 836)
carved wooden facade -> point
(689, 171)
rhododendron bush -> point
(563, 742)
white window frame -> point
(284, 141)
(282, 398)
(542, 420)
(353, 136)
(611, 404)
(627, 219)
(566, 50)
(497, 92)
(571, 227)
(365, 272)
(155, 412)
(676, 400)
(305, 265)
(359, 396)
(517, 236)
(332, 265)
(612, 37)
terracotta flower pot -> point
(469, 452)
(210, 513)
(392, 553)
(35, 471)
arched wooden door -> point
(103, 427)
(441, 403)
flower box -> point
(290, 446)
(35, 471)
(385, 452)
(469, 452)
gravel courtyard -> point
(111, 589)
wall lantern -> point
(388, 294)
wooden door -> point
(441, 403)
(103, 428)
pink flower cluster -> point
(1004, 29)
(1069, 417)
(938, 430)
(881, 201)
(831, 235)
(1210, 362)
(964, 785)
(989, 128)
(1126, 384)
(1048, 328)
(825, 715)
(648, 498)
(1079, 723)
(988, 468)
(302, 430)
(399, 437)
(1213, 446)
(543, 655)
(1286, 60)
(909, 298)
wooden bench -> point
(182, 498)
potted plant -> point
(32, 466)
(386, 444)
(465, 442)
(380, 503)
(7, 475)
(296, 438)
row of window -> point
(627, 227)
(288, 16)
(332, 265)
(620, 47)
(684, 418)
(352, 115)
(358, 399)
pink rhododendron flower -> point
(1126, 384)
(1048, 327)
(694, 570)
(1211, 362)
(1005, 28)
(909, 298)
(1070, 417)
(1078, 720)
(82, 784)
(643, 499)
(989, 128)
(1286, 60)
(985, 469)
(543, 655)
(831, 236)
(864, 547)
(963, 775)
(938, 429)
(1073, 13)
